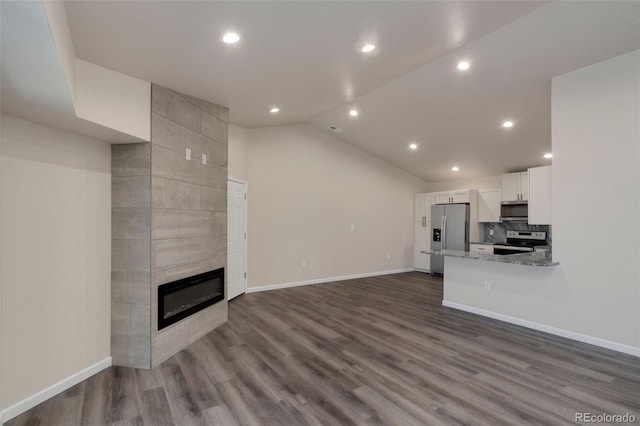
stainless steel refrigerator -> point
(449, 231)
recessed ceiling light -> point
(413, 146)
(455, 168)
(274, 110)
(367, 48)
(463, 65)
(507, 124)
(230, 38)
(353, 112)
(548, 155)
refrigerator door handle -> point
(444, 232)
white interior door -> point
(236, 238)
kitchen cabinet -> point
(421, 231)
(450, 197)
(515, 186)
(489, 205)
(481, 248)
(540, 195)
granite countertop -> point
(534, 258)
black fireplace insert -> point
(180, 299)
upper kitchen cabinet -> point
(515, 186)
(461, 196)
(540, 195)
(489, 205)
(422, 207)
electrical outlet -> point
(388, 255)
(187, 154)
(353, 227)
(490, 231)
(487, 285)
(304, 263)
(204, 158)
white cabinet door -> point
(489, 205)
(452, 197)
(540, 195)
(421, 242)
(420, 207)
(524, 185)
(515, 186)
(421, 230)
(442, 197)
(460, 196)
(511, 187)
(428, 199)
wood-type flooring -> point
(371, 351)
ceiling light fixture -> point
(413, 146)
(463, 65)
(230, 38)
(353, 112)
(368, 48)
(455, 168)
(548, 155)
(274, 110)
(507, 124)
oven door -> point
(504, 250)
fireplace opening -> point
(180, 299)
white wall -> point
(56, 246)
(59, 26)
(113, 99)
(306, 190)
(238, 140)
(595, 291)
(491, 182)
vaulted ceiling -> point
(305, 58)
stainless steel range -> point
(521, 242)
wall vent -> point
(335, 129)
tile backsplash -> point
(500, 230)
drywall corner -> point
(112, 99)
(59, 26)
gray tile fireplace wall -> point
(188, 209)
(130, 255)
(184, 225)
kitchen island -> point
(534, 258)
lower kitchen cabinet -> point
(421, 242)
(481, 248)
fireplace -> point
(185, 297)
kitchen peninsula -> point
(523, 289)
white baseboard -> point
(596, 341)
(64, 384)
(326, 280)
